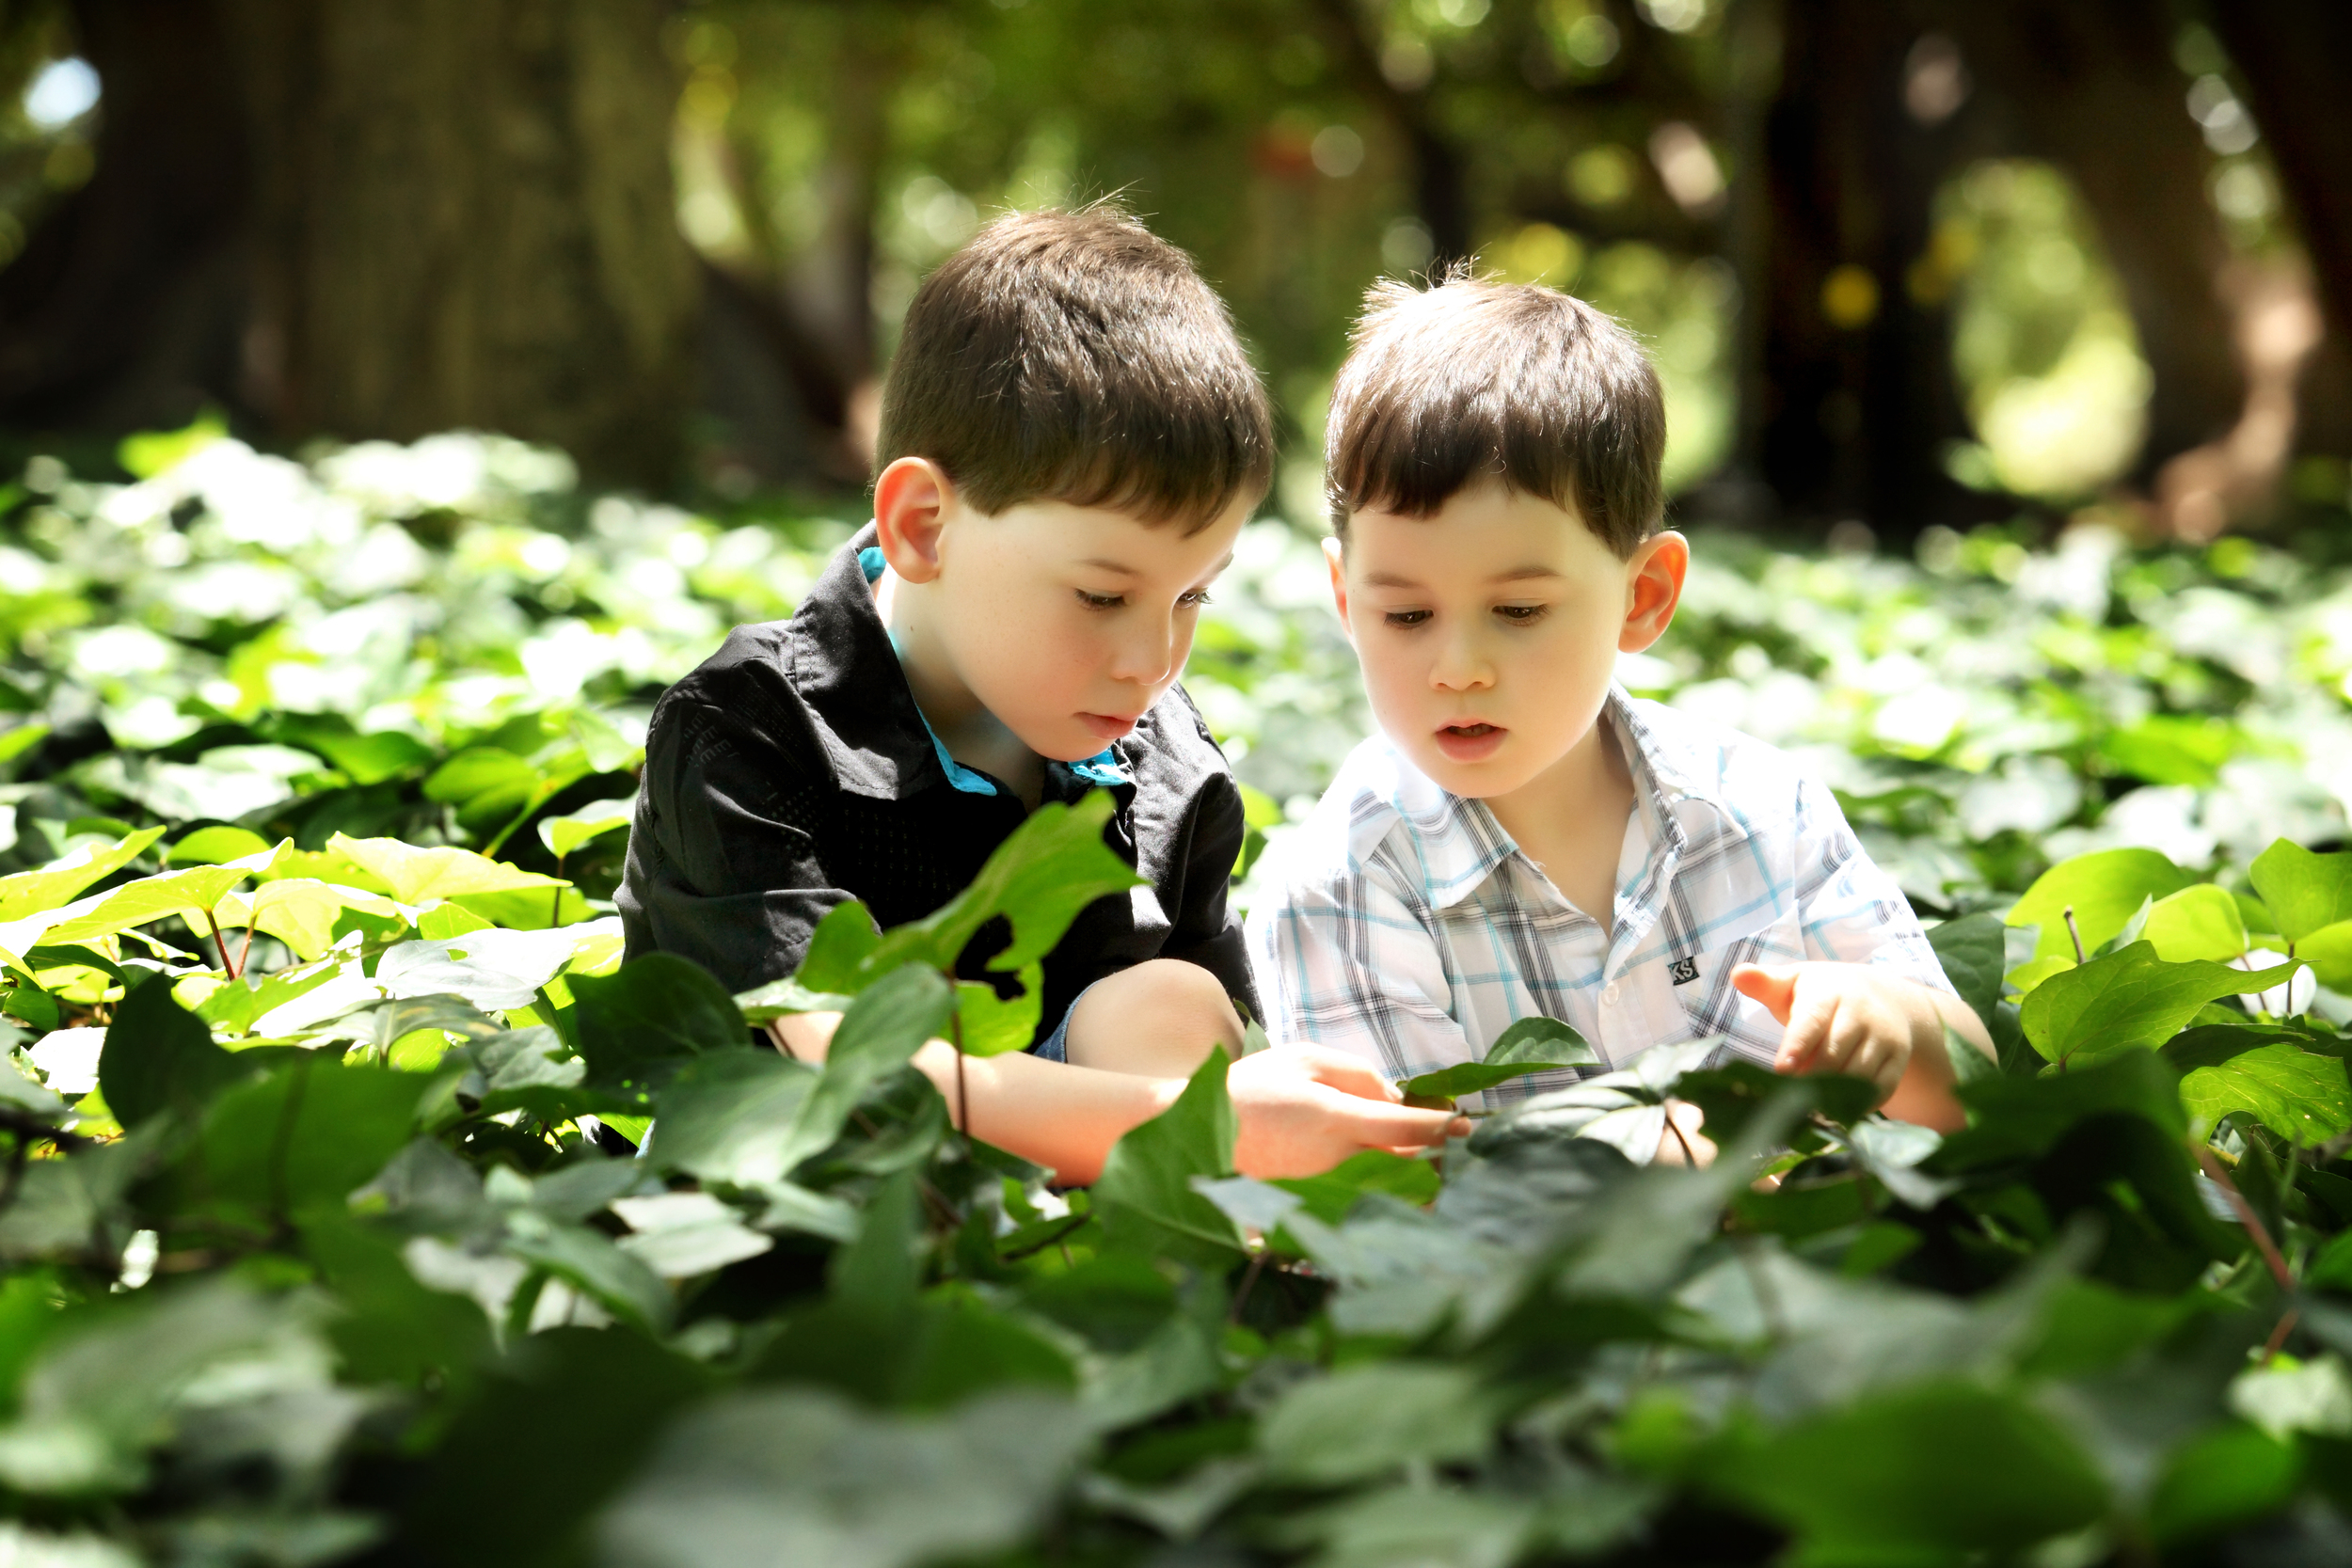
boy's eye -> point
(1520, 614)
(1101, 601)
(1406, 617)
(1197, 596)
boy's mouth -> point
(1108, 727)
(1471, 742)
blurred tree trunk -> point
(2091, 85)
(1857, 410)
(124, 310)
(2292, 54)
(464, 219)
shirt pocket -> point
(1702, 979)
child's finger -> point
(1345, 1073)
(1777, 989)
(1385, 1126)
(1808, 1033)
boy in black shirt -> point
(1071, 437)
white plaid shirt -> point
(1403, 925)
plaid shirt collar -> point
(1461, 845)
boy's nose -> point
(1146, 656)
(1461, 666)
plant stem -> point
(219, 946)
(963, 1104)
(555, 913)
(2075, 931)
(2261, 1233)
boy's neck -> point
(1571, 818)
(973, 736)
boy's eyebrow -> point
(1516, 574)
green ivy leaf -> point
(2329, 951)
(1050, 868)
(1145, 1196)
(2105, 889)
(2298, 1094)
(729, 1117)
(2303, 891)
(562, 835)
(1365, 1419)
(658, 1008)
(885, 1027)
(1530, 1045)
(158, 1056)
(994, 1025)
(2131, 999)
(1974, 952)
(416, 876)
(2196, 923)
(1873, 1481)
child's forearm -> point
(1051, 1113)
(1925, 1093)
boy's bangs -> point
(1470, 382)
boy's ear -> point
(913, 499)
(1335, 557)
(1653, 586)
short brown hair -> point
(1077, 356)
(1469, 380)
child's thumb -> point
(1775, 988)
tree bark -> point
(124, 310)
(464, 219)
(2292, 54)
(2092, 87)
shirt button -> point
(1609, 995)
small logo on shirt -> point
(1684, 971)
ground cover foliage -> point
(323, 1241)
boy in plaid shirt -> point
(1523, 838)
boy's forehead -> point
(1492, 531)
(1109, 538)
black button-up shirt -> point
(792, 772)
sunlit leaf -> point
(2129, 999)
(415, 876)
(2104, 888)
(2303, 891)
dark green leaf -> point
(1145, 1195)
(1973, 953)
(880, 1034)
(802, 1476)
(159, 1056)
(657, 1008)
(729, 1117)
(1530, 1045)
(2016, 1118)
(1875, 1481)
(302, 1138)
(1362, 1420)
(1331, 1195)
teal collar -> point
(1104, 767)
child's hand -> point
(1841, 1018)
(1302, 1109)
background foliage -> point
(324, 1242)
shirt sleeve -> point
(720, 870)
(1850, 910)
(1203, 929)
(1349, 962)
